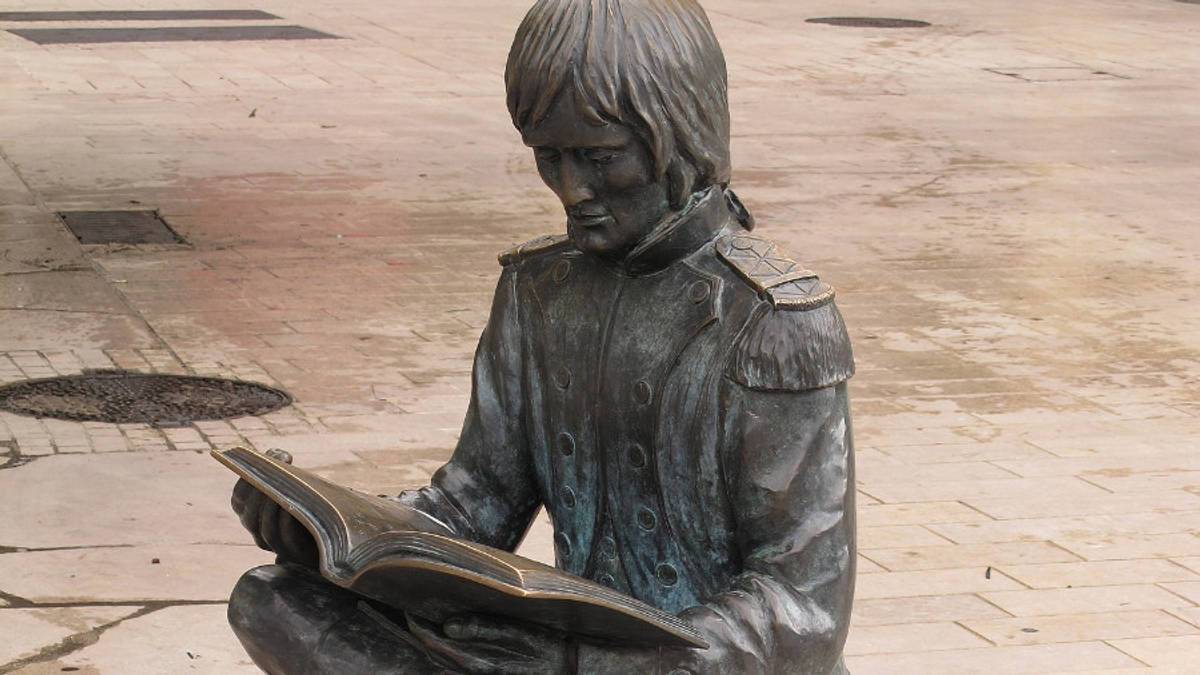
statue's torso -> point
(625, 374)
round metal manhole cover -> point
(124, 397)
(868, 22)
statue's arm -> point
(486, 492)
(794, 501)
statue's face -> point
(604, 176)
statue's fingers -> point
(301, 547)
(268, 524)
(250, 515)
(459, 656)
(473, 627)
(241, 493)
(517, 639)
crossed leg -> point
(293, 622)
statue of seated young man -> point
(670, 388)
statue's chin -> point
(596, 241)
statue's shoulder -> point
(796, 340)
(546, 243)
(775, 276)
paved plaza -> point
(1007, 202)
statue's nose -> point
(574, 182)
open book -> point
(406, 559)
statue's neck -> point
(680, 233)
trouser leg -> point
(293, 622)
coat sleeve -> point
(790, 478)
(486, 492)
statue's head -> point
(624, 103)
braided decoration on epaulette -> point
(780, 280)
(535, 245)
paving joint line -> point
(983, 513)
(64, 311)
(1135, 658)
(1059, 546)
(31, 549)
(985, 599)
(81, 640)
(1094, 484)
(972, 631)
(15, 458)
(925, 526)
(14, 601)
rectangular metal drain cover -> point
(119, 227)
(143, 15)
(62, 36)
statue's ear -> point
(681, 182)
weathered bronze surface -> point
(670, 387)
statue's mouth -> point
(591, 221)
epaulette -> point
(778, 279)
(541, 244)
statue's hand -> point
(273, 528)
(478, 645)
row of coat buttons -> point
(642, 391)
(646, 518)
(666, 573)
(636, 453)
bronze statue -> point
(670, 387)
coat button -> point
(607, 580)
(642, 392)
(568, 497)
(561, 270)
(680, 671)
(563, 543)
(608, 547)
(699, 291)
(562, 377)
(566, 444)
(646, 519)
(667, 574)
(637, 456)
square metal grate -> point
(119, 227)
(63, 36)
(142, 15)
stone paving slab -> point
(1014, 255)
(128, 574)
(117, 499)
(181, 639)
(29, 631)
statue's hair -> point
(653, 65)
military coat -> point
(682, 415)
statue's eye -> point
(600, 155)
(547, 154)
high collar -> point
(680, 233)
